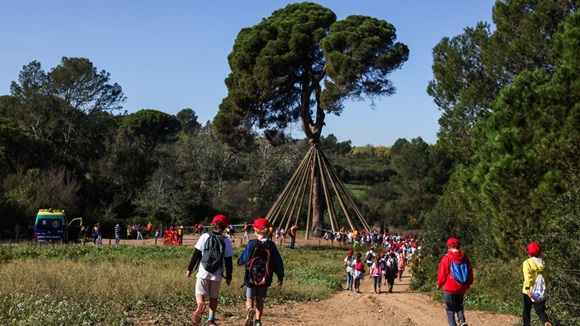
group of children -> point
(389, 266)
(260, 256)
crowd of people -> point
(385, 261)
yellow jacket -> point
(531, 268)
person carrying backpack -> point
(212, 253)
(455, 275)
(359, 271)
(262, 259)
(348, 263)
(391, 271)
(533, 267)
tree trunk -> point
(317, 198)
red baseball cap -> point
(382, 255)
(261, 223)
(452, 242)
(534, 249)
(350, 252)
(221, 220)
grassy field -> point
(116, 285)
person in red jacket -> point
(453, 289)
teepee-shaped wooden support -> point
(289, 206)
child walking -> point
(348, 263)
(359, 271)
(532, 267)
(377, 271)
(208, 283)
(256, 278)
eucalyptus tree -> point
(300, 64)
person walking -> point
(454, 287)
(377, 273)
(292, 236)
(264, 249)
(392, 271)
(219, 253)
(532, 267)
(348, 263)
(359, 271)
(246, 230)
(117, 233)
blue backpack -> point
(459, 272)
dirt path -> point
(403, 307)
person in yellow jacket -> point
(532, 267)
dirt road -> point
(403, 307)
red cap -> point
(534, 249)
(221, 220)
(382, 255)
(453, 242)
(350, 252)
(372, 247)
(261, 223)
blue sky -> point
(171, 55)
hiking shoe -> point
(250, 316)
(211, 322)
(257, 323)
(463, 324)
(197, 316)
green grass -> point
(117, 285)
(357, 190)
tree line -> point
(66, 143)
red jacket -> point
(444, 277)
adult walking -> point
(454, 285)
(117, 233)
(292, 236)
(532, 267)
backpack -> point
(212, 257)
(260, 265)
(393, 267)
(460, 272)
(370, 256)
(539, 289)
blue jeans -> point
(117, 239)
(292, 242)
(377, 282)
(454, 305)
(349, 280)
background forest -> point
(504, 171)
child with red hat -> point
(254, 290)
(532, 267)
(349, 264)
(453, 290)
(208, 282)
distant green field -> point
(357, 190)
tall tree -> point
(471, 68)
(70, 107)
(299, 65)
(528, 147)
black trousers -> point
(540, 308)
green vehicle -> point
(51, 226)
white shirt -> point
(228, 252)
